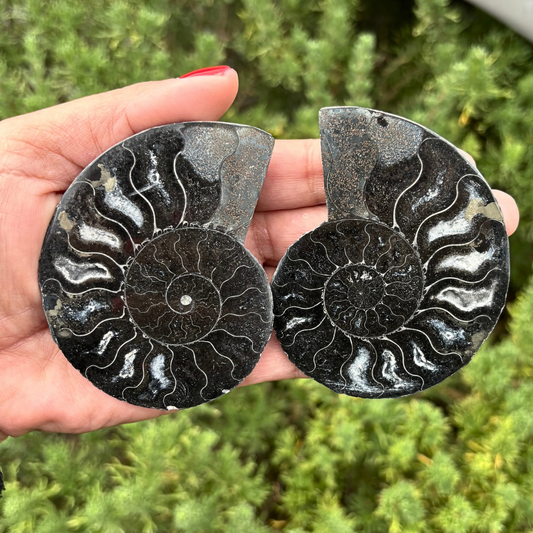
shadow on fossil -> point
(408, 277)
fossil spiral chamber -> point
(146, 285)
(409, 275)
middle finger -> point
(294, 178)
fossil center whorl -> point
(359, 286)
(191, 292)
(168, 303)
(378, 292)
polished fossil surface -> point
(146, 285)
(401, 286)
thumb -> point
(66, 138)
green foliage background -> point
(293, 456)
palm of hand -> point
(40, 155)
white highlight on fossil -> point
(357, 372)
(93, 191)
(389, 370)
(155, 179)
(91, 307)
(115, 199)
(295, 322)
(468, 299)
(91, 234)
(445, 228)
(419, 359)
(128, 370)
(185, 300)
(79, 273)
(469, 262)
(432, 192)
(447, 333)
(104, 342)
(157, 369)
(155, 228)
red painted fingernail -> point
(208, 71)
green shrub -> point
(293, 456)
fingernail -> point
(208, 71)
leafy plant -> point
(294, 456)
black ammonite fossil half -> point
(146, 285)
(408, 277)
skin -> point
(40, 154)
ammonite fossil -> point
(408, 277)
(146, 285)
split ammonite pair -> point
(151, 295)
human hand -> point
(41, 153)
